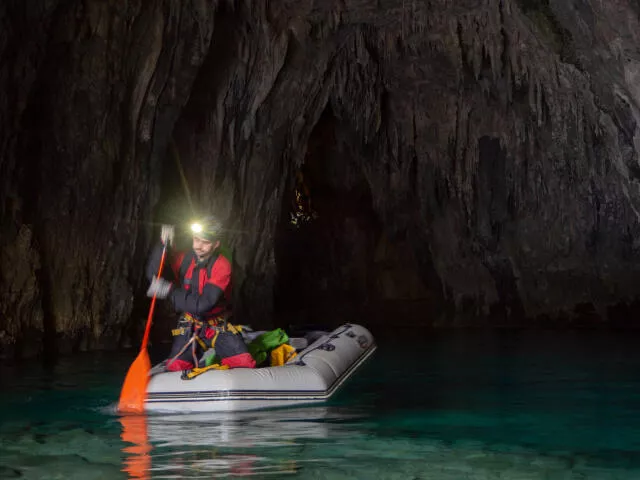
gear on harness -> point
(196, 338)
(194, 372)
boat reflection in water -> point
(232, 443)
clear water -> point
(470, 405)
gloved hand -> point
(159, 287)
(166, 234)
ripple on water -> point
(504, 409)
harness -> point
(201, 330)
(217, 324)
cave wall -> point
(499, 143)
(494, 151)
(89, 94)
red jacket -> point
(204, 290)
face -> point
(204, 248)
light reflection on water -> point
(448, 406)
(242, 443)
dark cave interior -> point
(325, 262)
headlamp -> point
(205, 229)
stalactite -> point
(240, 87)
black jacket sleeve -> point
(191, 302)
(153, 264)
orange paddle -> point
(134, 389)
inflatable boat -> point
(312, 376)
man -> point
(198, 285)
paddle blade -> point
(134, 388)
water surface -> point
(451, 405)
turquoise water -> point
(470, 405)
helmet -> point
(207, 228)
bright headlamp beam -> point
(196, 228)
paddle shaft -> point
(145, 339)
(134, 388)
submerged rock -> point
(9, 472)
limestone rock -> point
(467, 159)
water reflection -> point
(137, 462)
(240, 443)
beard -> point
(202, 256)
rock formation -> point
(468, 160)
